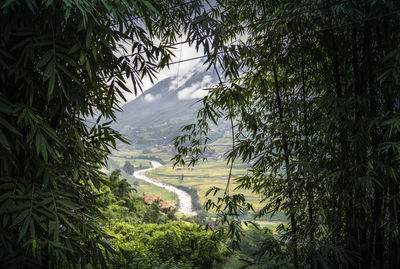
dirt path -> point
(185, 201)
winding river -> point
(185, 201)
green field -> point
(205, 175)
(213, 173)
(127, 153)
(137, 163)
(145, 187)
(140, 185)
(222, 145)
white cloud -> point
(181, 79)
(182, 71)
(148, 97)
(196, 90)
(206, 80)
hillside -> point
(155, 117)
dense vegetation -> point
(145, 238)
(312, 96)
(62, 64)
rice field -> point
(213, 173)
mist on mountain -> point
(155, 117)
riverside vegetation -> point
(140, 236)
(228, 259)
(145, 238)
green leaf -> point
(45, 58)
(50, 70)
(41, 145)
(82, 57)
(151, 7)
(88, 69)
(21, 217)
(45, 212)
(69, 74)
(67, 14)
(24, 229)
(88, 36)
(31, 5)
(9, 127)
(5, 196)
(7, 3)
(49, 2)
(5, 108)
(50, 132)
(51, 86)
(4, 142)
(74, 48)
(68, 223)
(68, 203)
(6, 218)
(34, 245)
(44, 202)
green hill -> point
(155, 117)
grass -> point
(140, 185)
(137, 154)
(233, 262)
(145, 187)
(213, 173)
(135, 162)
(222, 145)
(271, 225)
(204, 176)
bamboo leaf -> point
(51, 86)
(21, 217)
(4, 142)
(7, 3)
(45, 58)
(50, 70)
(24, 229)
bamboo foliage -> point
(316, 107)
(63, 71)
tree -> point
(120, 187)
(191, 245)
(63, 68)
(118, 203)
(128, 168)
(131, 253)
(153, 215)
(316, 114)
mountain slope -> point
(156, 116)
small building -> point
(164, 206)
(149, 198)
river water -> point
(185, 201)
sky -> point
(181, 71)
